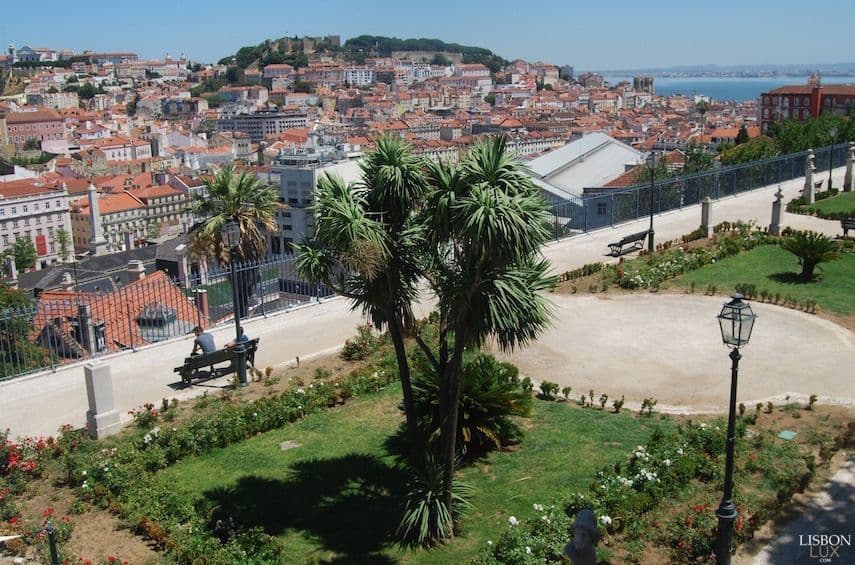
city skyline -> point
(559, 33)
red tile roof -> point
(119, 309)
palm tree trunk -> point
(807, 270)
(449, 409)
(397, 335)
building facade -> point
(260, 124)
(40, 125)
(803, 102)
(36, 212)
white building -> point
(35, 211)
(587, 162)
(358, 76)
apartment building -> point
(802, 102)
(36, 211)
(298, 171)
(40, 125)
(260, 124)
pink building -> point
(34, 210)
(41, 125)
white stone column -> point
(706, 216)
(102, 418)
(777, 213)
(807, 193)
(850, 165)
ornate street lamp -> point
(736, 321)
(833, 134)
(230, 235)
(651, 164)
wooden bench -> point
(636, 239)
(847, 224)
(193, 363)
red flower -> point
(47, 512)
(13, 520)
(66, 519)
(689, 520)
(738, 523)
(111, 559)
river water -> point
(724, 88)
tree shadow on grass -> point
(349, 505)
(790, 278)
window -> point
(47, 205)
(601, 208)
(14, 210)
(36, 207)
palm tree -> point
(811, 248)
(484, 222)
(250, 202)
(365, 247)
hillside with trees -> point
(356, 49)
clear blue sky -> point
(594, 35)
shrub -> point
(618, 404)
(811, 401)
(699, 233)
(566, 392)
(540, 539)
(361, 346)
(742, 409)
(548, 390)
(812, 248)
(604, 398)
(426, 520)
(769, 407)
(527, 385)
(490, 393)
(648, 405)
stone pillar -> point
(98, 244)
(87, 333)
(807, 192)
(183, 266)
(202, 303)
(848, 181)
(102, 418)
(12, 271)
(706, 216)
(777, 213)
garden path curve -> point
(668, 346)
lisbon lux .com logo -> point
(826, 547)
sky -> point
(590, 35)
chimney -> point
(136, 270)
(67, 281)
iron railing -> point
(61, 326)
(601, 207)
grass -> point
(336, 496)
(843, 203)
(770, 267)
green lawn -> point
(842, 203)
(770, 267)
(336, 496)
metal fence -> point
(62, 326)
(599, 207)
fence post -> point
(130, 321)
(612, 214)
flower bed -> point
(650, 271)
(661, 498)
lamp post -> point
(736, 321)
(651, 163)
(833, 133)
(230, 234)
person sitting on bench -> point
(203, 341)
(242, 339)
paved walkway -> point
(669, 347)
(829, 512)
(40, 404)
